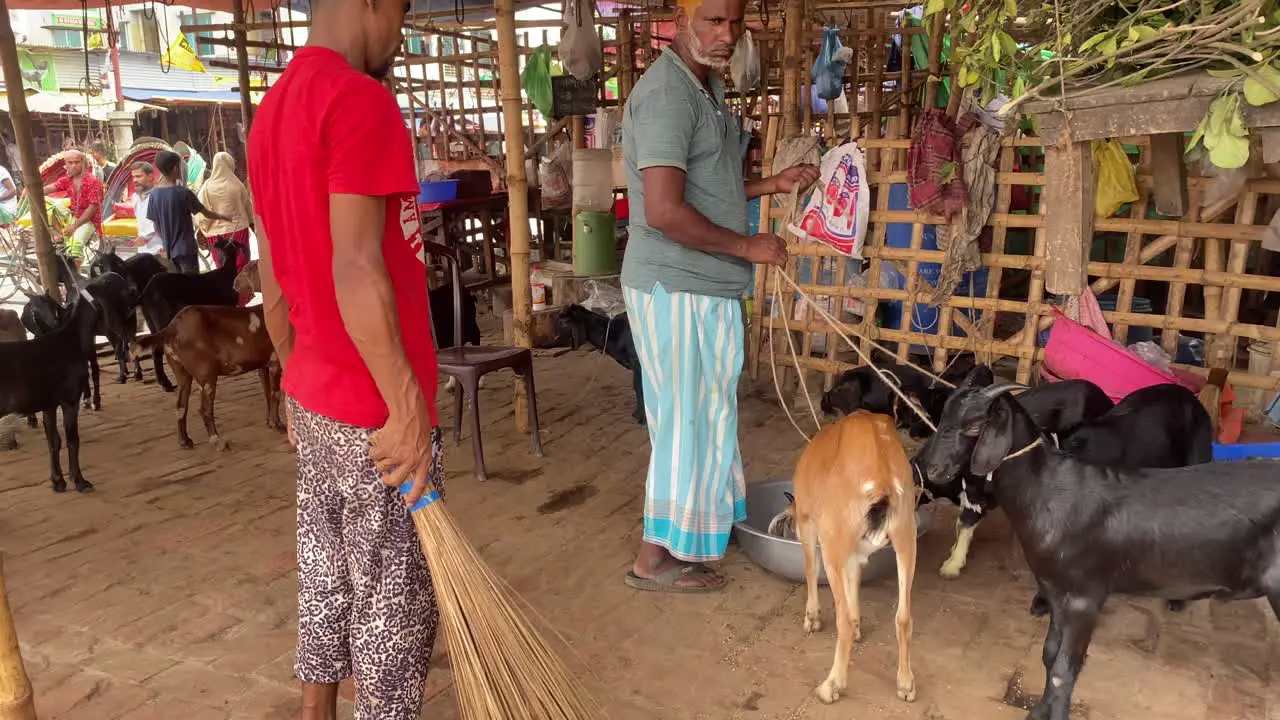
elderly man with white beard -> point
(687, 264)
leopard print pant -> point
(365, 600)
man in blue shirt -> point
(170, 207)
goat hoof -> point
(185, 443)
(84, 486)
(31, 421)
(907, 691)
(220, 444)
(122, 380)
(1039, 607)
(812, 623)
(949, 571)
(59, 486)
(828, 692)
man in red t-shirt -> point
(345, 297)
(85, 192)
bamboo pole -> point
(626, 56)
(16, 699)
(242, 65)
(793, 25)
(21, 120)
(517, 193)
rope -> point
(797, 151)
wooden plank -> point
(1068, 195)
(1146, 118)
(1169, 191)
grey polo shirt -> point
(671, 120)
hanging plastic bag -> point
(1114, 180)
(744, 66)
(828, 68)
(603, 298)
(536, 80)
(839, 204)
(580, 52)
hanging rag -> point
(934, 181)
(979, 152)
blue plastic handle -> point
(423, 501)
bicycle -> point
(19, 269)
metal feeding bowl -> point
(785, 557)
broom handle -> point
(427, 498)
(16, 700)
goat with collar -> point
(1088, 531)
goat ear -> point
(790, 498)
(994, 440)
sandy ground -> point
(170, 592)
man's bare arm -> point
(761, 187)
(665, 210)
(275, 309)
(366, 299)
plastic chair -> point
(468, 364)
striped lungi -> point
(691, 350)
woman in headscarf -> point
(224, 194)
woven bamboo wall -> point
(1196, 269)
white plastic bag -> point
(603, 298)
(839, 204)
(744, 66)
(579, 51)
(1152, 354)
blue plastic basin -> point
(437, 191)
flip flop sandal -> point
(666, 581)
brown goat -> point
(205, 342)
(248, 281)
(11, 329)
(854, 494)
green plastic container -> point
(595, 244)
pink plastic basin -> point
(1076, 352)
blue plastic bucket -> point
(437, 191)
(924, 318)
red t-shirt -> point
(90, 195)
(325, 127)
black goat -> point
(1161, 426)
(41, 315)
(48, 373)
(1058, 408)
(138, 270)
(577, 325)
(442, 316)
(167, 293)
(863, 389)
(1179, 534)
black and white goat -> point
(1058, 409)
(1088, 531)
(578, 325)
(48, 373)
(167, 293)
(863, 388)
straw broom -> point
(503, 668)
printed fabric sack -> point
(839, 205)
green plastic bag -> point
(536, 80)
(1114, 180)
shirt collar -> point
(713, 79)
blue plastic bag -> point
(828, 68)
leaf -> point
(1011, 8)
(1019, 87)
(1133, 35)
(1228, 74)
(1235, 120)
(995, 47)
(1198, 135)
(1091, 42)
(934, 7)
(1010, 47)
(1261, 87)
(1231, 153)
(1108, 47)
(1066, 40)
(1145, 33)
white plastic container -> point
(539, 292)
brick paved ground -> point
(169, 593)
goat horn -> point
(1000, 388)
